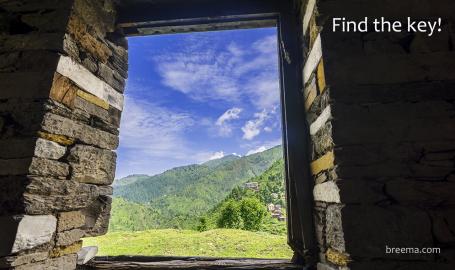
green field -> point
(212, 243)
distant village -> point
(275, 210)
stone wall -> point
(381, 112)
(62, 74)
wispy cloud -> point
(261, 147)
(254, 127)
(224, 127)
(217, 155)
(226, 73)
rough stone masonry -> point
(381, 112)
(62, 74)
(380, 109)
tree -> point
(230, 216)
(203, 224)
(252, 213)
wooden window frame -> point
(178, 16)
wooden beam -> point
(296, 131)
(137, 15)
(163, 263)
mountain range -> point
(177, 197)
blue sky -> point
(194, 97)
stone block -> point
(60, 139)
(49, 149)
(67, 262)
(320, 122)
(323, 163)
(13, 261)
(49, 168)
(91, 44)
(313, 59)
(87, 81)
(92, 165)
(65, 250)
(97, 216)
(67, 238)
(421, 193)
(334, 236)
(58, 125)
(20, 233)
(46, 195)
(327, 192)
(70, 220)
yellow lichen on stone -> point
(321, 76)
(337, 258)
(93, 99)
(63, 140)
(61, 251)
(323, 163)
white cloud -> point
(252, 128)
(261, 147)
(224, 128)
(151, 129)
(218, 72)
(257, 150)
(217, 155)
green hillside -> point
(213, 243)
(271, 190)
(178, 197)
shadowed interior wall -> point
(62, 75)
(381, 114)
(380, 109)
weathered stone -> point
(46, 167)
(97, 216)
(65, 250)
(313, 59)
(86, 254)
(92, 165)
(67, 262)
(56, 124)
(63, 90)
(70, 220)
(309, 11)
(89, 82)
(20, 233)
(334, 228)
(45, 195)
(67, 238)
(78, 29)
(12, 261)
(49, 149)
(327, 192)
(321, 120)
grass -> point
(213, 243)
